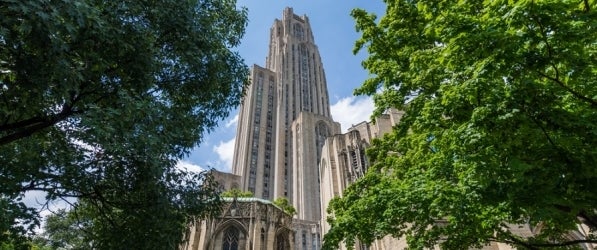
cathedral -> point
(288, 146)
(284, 123)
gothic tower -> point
(284, 121)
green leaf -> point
(499, 124)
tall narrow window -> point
(230, 241)
(304, 240)
(298, 31)
(281, 242)
(321, 133)
(263, 243)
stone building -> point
(343, 161)
(287, 145)
(244, 223)
(226, 181)
(283, 123)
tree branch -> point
(537, 246)
(34, 124)
(588, 219)
(37, 126)
(563, 244)
(23, 123)
(574, 93)
(587, 5)
(556, 79)
(513, 240)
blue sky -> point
(335, 34)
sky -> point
(335, 34)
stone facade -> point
(244, 223)
(343, 158)
(283, 122)
(287, 145)
(309, 136)
(226, 181)
(343, 161)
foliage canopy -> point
(234, 193)
(66, 230)
(500, 125)
(285, 205)
(98, 101)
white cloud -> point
(37, 200)
(232, 122)
(188, 166)
(352, 110)
(225, 151)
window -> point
(263, 243)
(230, 241)
(282, 242)
(304, 240)
(321, 133)
(304, 79)
(298, 31)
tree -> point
(500, 124)
(98, 101)
(66, 229)
(232, 193)
(285, 205)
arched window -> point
(230, 241)
(263, 243)
(281, 242)
(321, 133)
(304, 240)
(298, 31)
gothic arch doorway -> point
(231, 238)
(282, 241)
